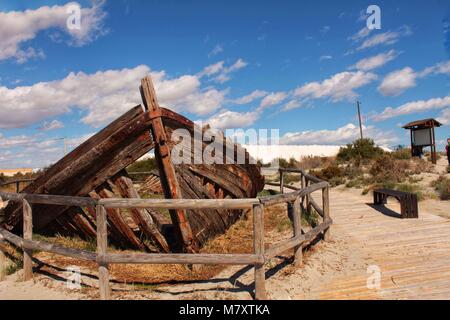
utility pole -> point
(65, 144)
(359, 116)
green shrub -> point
(352, 171)
(336, 181)
(143, 165)
(442, 186)
(402, 154)
(359, 150)
(356, 183)
(332, 171)
(387, 169)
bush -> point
(146, 165)
(313, 162)
(387, 169)
(442, 186)
(332, 171)
(356, 183)
(402, 154)
(336, 181)
(359, 150)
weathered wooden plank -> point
(3, 265)
(179, 203)
(102, 248)
(326, 211)
(297, 219)
(141, 216)
(27, 235)
(258, 244)
(48, 247)
(117, 220)
(179, 258)
(167, 171)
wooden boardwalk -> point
(413, 255)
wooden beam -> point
(258, 243)
(180, 258)
(27, 235)
(326, 211)
(3, 265)
(102, 247)
(141, 216)
(167, 170)
(297, 217)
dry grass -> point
(238, 239)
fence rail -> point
(298, 201)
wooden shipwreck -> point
(97, 169)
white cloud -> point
(325, 57)
(257, 94)
(413, 107)
(397, 82)
(377, 61)
(325, 29)
(104, 95)
(212, 69)
(291, 105)
(361, 34)
(32, 151)
(53, 125)
(440, 68)
(216, 50)
(444, 117)
(272, 99)
(227, 119)
(386, 38)
(18, 27)
(340, 136)
(339, 87)
(220, 72)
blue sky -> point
(290, 65)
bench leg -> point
(414, 207)
(404, 207)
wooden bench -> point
(408, 201)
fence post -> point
(102, 245)
(326, 211)
(302, 181)
(2, 261)
(17, 186)
(258, 238)
(307, 203)
(297, 217)
(27, 235)
(281, 181)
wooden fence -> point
(16, 183)
(299, 200)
